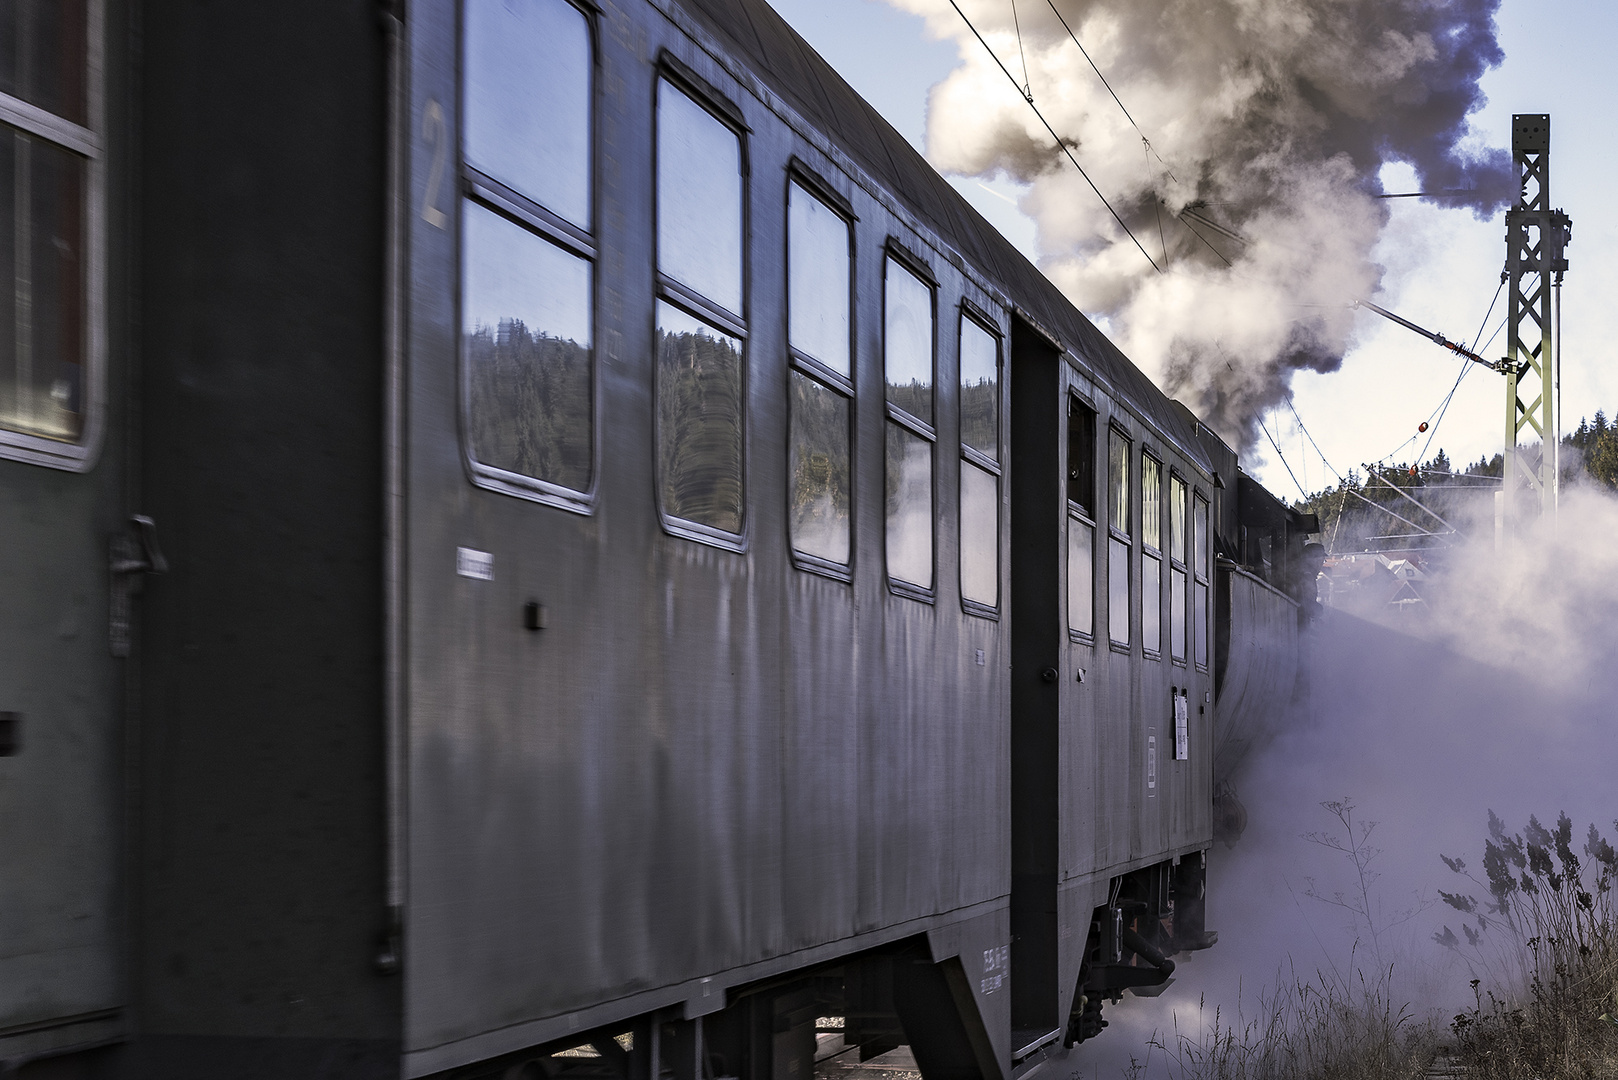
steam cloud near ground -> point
(1269, 119)
(1501, 697)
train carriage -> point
(613, 566)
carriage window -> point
(1151, 604)
(1118, 545)
(1199, 604)
(980, 464)
(699, 200)
(1151, 501)
(1177, 558)
(1081, 457)
(1199, 557)
(1177, 600)
(525, 306)
(1081, 538)
(819, 469)
(1177, 508)
(527, 283)
(1151, 563)
(528, 101)
(818, 281)
(907, 343)
(1081, 490)
(46, 169)
(980, 535)
(699, 421)
(1118, 481)
(909, 506)
(818, 317)
(700, 375)
(907, 363)
(980, 394)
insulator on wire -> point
(1422, 426)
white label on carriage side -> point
(996, 963)
(1151, 766)
(1182, 736)
(469, 562)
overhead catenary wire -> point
(1110, 90)
(1058, 139)
(1027, 86)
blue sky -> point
(1443, 266)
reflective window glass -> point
(42, 55)
(1177, 519)
(817, 280)
(818, 465)
(1199, 620)
(699, 421)
(1177, 614)
(980, 529)
(1118, 591)
(907, 342)
(699, 199)
(1151, 501)
(42, 239)
(1080, 577)
(1118, 481)
(527, 77)
(525, 308)
(1081, 456)
(1151, 603)
(1200, 526)
(980, 389)
(909, 506)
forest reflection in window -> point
(819, 464)
(699, 421)
(980, 389)
(908, 342)
(526, 317)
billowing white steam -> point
(1268, 121)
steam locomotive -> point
(543, 539)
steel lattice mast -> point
(1536, 242)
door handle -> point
(134, 552)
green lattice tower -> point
(1536, 240)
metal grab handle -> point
(133, 552)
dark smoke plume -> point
(1269, 121)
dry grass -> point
(1549, 937)
(1325, 1029)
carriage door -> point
(62, 473)
(1037, 507)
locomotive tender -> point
(544, 538)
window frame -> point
(1201, 577)
(815, 186)
(88, 142)
(1179, 561)
(1124, 535)
(475, 186)
(1151, 647)
(968, 312)
(895, 251)
(683, 80)
(1078, 512)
